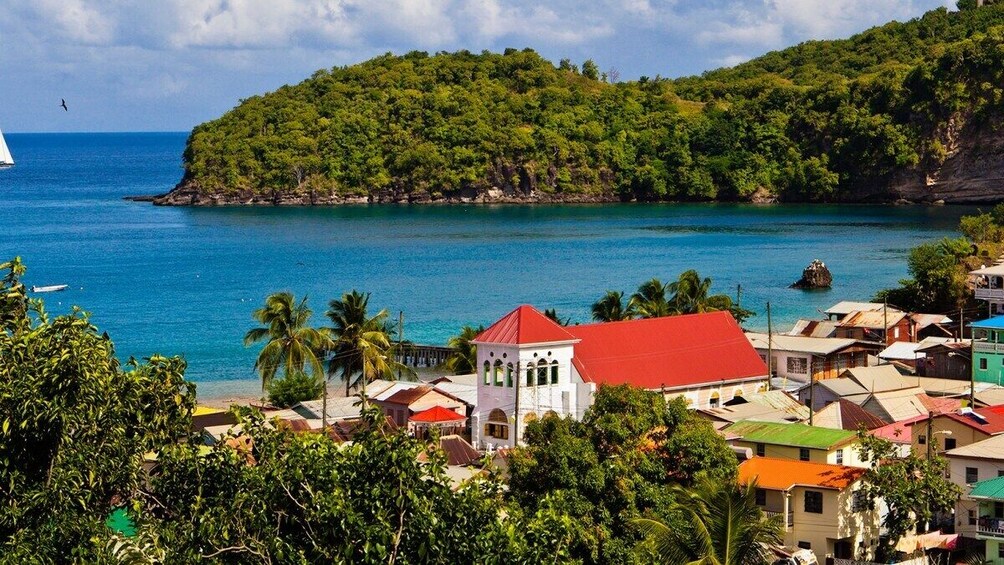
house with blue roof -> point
(988, 350)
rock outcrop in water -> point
(816, 275)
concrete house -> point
(823, 506)
(530, 366)
(939, 433)
(968, 465)
(798, 442)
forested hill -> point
(906, 110)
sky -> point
(168, 65)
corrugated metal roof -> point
(670, 352)
(783, 474)
(435, 415)
(847, 306)
(814, 328)
(846, 415)
(793, 435)
(997, 322)
(993, 270)
(878, 378)
(990, 448)
(991, 488)
(800, 344)
(872, 320)
(522, 326)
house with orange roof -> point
(529, 366)
(822, 506)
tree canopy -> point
(821, 121)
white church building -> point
(529, 366)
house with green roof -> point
(989, 494)
(797, 442)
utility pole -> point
(770, 345)
(400, 340)
(885, 323)
(961, 325)
(812, 396)
(930, 438)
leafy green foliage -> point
(74, 427)
(689, 294)
(821, 121)
(720, 524)
(464, 358)
(621, 462)
(295, 387)
(303, 498)
(290, 343)
(362, 348)
(913, 488)
(938, 279)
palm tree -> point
(611, 307)
(690, 295)
(290, 343)
(464, 358)
(724, 526)
(362, 350)
(650, 300)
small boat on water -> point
(50, 288)
(6, 159)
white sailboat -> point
(6, 159)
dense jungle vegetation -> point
(821, 121)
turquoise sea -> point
(184, 281)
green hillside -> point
(821, 121)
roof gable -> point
(878, 378)
(668, 352)
(783, 474)
(792, 435)
(522, 326)
(846, 415)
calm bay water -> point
(184, 281)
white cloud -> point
(198, 57)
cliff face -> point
(972, 173)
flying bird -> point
(63, 104)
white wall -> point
(534, 401)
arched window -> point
(551, 414)
(498, 372)
(487, 373)
(554, 372)
(508, 375)
(498, 425)
(762, 387)
(715, 400)
(529, 375)
(737, 393)
(541, 372)
(530, 416)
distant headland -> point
(903, 112)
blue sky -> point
(167, 65)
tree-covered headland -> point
(844, 120)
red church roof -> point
(437, 414)
(522, 326)
(670, 352)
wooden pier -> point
(416, 355)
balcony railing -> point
(791, 516)
(990, 293)
(988, 347)
(993, 527)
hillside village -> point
(794, 407)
